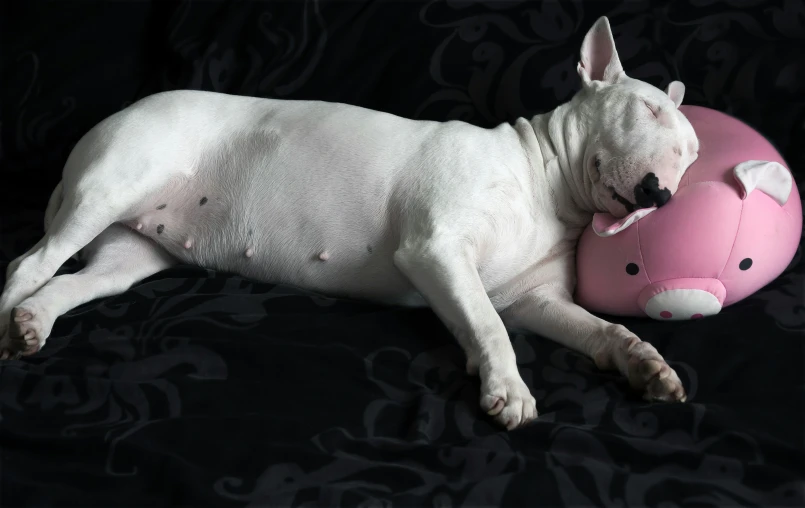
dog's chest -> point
(537, 252)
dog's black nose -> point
(648, 193)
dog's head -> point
(639, 143)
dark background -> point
(197, 387)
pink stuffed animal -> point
(732, 227)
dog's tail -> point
(53, 205)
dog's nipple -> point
(324, 256)
(249, 252)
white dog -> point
(479, 224)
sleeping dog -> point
(478, 224)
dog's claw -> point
(21, 318)
(497, 407)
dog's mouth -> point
(630, 207)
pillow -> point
(732, 227)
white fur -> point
(480, 224)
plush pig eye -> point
(745, 264)
(632, 269)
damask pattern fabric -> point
(202, 388)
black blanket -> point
(203, 388)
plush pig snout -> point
(678, 299)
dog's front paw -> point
(648, 372)
(507, 398)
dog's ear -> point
(599, 59)
(676, 91)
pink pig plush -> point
(732, 227)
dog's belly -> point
(261, 215)
(312, 248)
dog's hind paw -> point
(25, 332)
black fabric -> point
(202, 388)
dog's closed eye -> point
(655, 110)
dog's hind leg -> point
(53, 206)
(115, 260)
(103, 183)
(76, 224)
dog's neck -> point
(561, 136)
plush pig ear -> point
(676, 91)
(771, 178)
(599, 59)
(605, 224)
